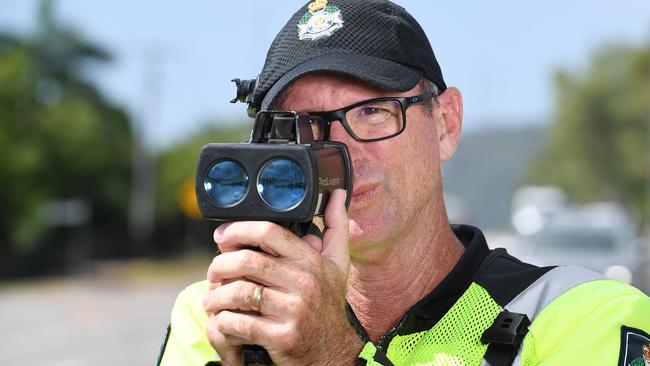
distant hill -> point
(488, 167)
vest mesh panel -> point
(455, 339)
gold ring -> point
(256, 299)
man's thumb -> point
(336, 234)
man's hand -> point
(302, 318)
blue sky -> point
(500, 54)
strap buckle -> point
(508, 329)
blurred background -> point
(105, 105)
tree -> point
(598, 147)
(59, 137)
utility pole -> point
(143, 177)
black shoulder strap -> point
(504, 277)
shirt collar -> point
(440, 300)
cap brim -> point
(385, 74)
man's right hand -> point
(302, 310)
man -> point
(419, 290)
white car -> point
(597, 236)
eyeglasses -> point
(368, 120)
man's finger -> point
(229, 349)
(336, 235)
(238, 295)
(269, 237)
(246, 328)
(257, 266)
(314, 242)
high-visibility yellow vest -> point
(577, 318)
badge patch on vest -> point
(635, 347)
(320, 21)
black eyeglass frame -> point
(339, 115)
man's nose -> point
(340, 134)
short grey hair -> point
(429, 87)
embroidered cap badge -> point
(320, 21)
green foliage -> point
(59, 138)
(598, 146)
(178, 164)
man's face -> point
(394, 179)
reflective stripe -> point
(547, 288)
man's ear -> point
(449, 122)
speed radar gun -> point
(282, 174)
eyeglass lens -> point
(372, 120)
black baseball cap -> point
(375, 41)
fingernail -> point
(218, 233)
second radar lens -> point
(282, 184)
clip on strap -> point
(504, 337)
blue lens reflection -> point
(282, 184)
(226, 183)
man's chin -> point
(367, 247)
(364, 231)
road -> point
(116, 316)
